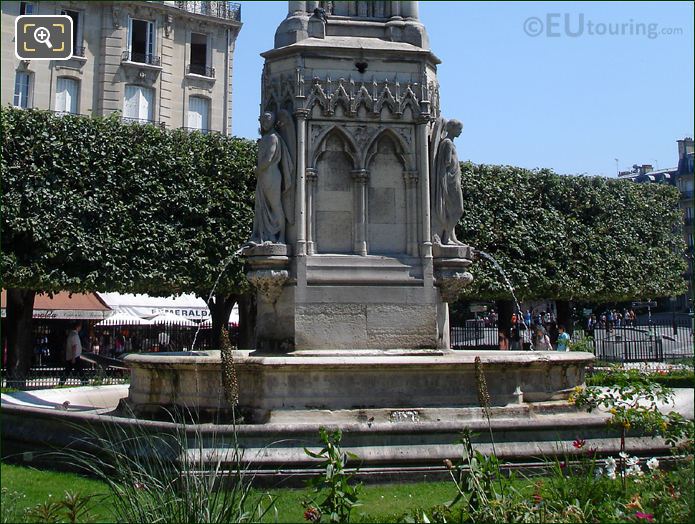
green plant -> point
(9, 508)
(334, 496)
(582, 344)
(180, 476)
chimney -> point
(685, 147)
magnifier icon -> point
(42, 36)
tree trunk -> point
(564, 315)
(20, 309)
(220, 308)
(247, 321)
(505, 309)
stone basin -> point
(351, 380)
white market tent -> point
(170, 318)
(123, 319)
(188, 306)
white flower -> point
(610, 473)
(623, 455)
(632, 461)
(653, 464)
(610, 463)
(634, 471)
(598, 473)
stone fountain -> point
(354, 256)
(354, 259)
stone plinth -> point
(353, 380)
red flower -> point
(312, 514)
(537, 498)
(579, 443)
(645, 516)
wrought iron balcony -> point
(141, 58)
(218, 9)
(131, 120)
(199, 69)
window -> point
(67, 91)
(199, 55)
(22, 84)
(76, 31)
(138, 104)
(141, 42)
(27, 8)
(198, 113)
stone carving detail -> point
(275, 187)
(445, 173)
(116, 17)
(452, 283)
(281, 90)
(268, 282)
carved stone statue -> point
(275, 185)
(446, 195)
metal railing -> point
(218, 9)
(141, 58)
(200, 69)
(144, 121)
(636, 342)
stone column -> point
(410, 9)
(300, 198)
(411, 179)
(395, 9)
(424, 164)
(311, 178)
(296, 8)
(360, 178)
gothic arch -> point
(400, 146)
(349, 146)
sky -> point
(537, 84)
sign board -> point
(477, 308)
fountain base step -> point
(354, 380)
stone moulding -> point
(450, 264)
(268, 269)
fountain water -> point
(500, 269)
(225, 265)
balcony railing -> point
(141, 58)
(134, 120)
(218, 9)
(199, 69)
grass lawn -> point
(380, 502)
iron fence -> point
(141, 58)
(50, 377)
(638, 341)
(218, 9)
(200, 70)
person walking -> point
(542, 340)
(73, 351)
(563, 339)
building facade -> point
(167, 62)
(682, 178)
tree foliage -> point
(95, 204)
(571, 237)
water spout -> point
(226, 263)
(498, 267)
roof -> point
(65, 305)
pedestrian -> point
(527, 318)
(543, 340)
(503, 340)
(516, 333)
(73, 352)
(563, 339)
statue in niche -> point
(445, 173)
(274, 205)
